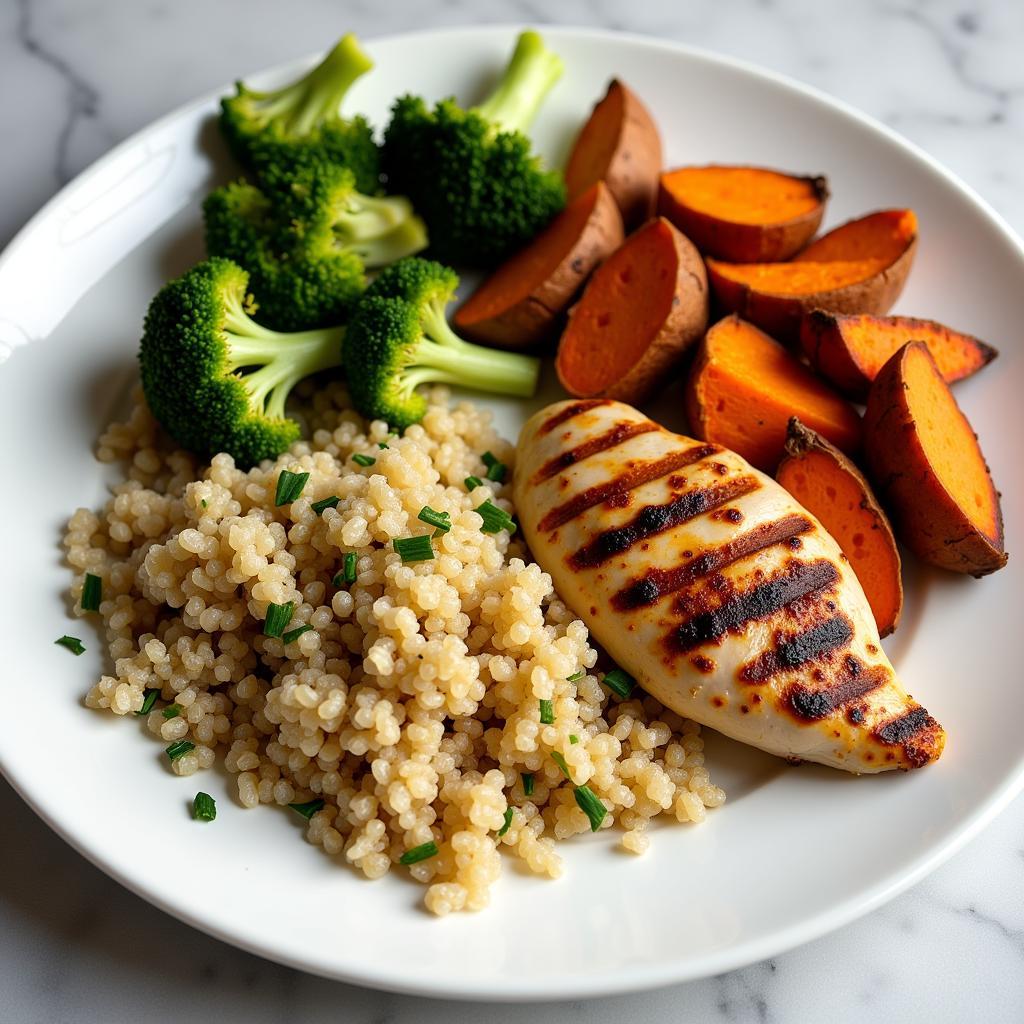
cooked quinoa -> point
(411, 708)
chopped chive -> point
(576, 676)
(71, 643)
(422, 852)
(619, 682)
(203, 502)
(338, 580)
(289, 487)
(382, 444)
(294, 634)
(508, 821)
(204, 807)
(307, 810)
(350, 566)
(497, 472)
(489, 459)
(527, 783)
(363, 460)
(547, 712)
(278, 616)
(495, 519)
(171, 711)
(414, 549)
(573, 738)
(92, 593)
(442, 520)
(560, 761)
(321, 506)
(179, 749)
(473, 482)
(148, 701)
(590, 805)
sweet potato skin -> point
(742, 243)
(534, 319)
(781, 315)
(824, 339)
(804, 445)
(633, 161)
(928, 519)
(685, 324)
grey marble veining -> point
(77, 76)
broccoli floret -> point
(270, 130)
(306, 240)
(471, 173)
(398, 338)
(217, 380)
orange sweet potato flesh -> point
(849, 351)
(835, 491)
(743, 214)
(620, 145)
(521, 303)
(928, 469)
(860, 267)
(744, 387)
(640, 312)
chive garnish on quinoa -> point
(71, 643)
(590, 805)
(619, 682)
(171, 711)
(289, 487)
(321, 506)
(307, 810)
(576, 676)
(414, 549)
(495, 519)
(294, 634)
(547, 712)
(557, 757)
(442, 520)
(473, 482)
(363, 460)
(495, 470)
(573, 738)
(92, 593)
(148, 700)
(179, 749)
(204, 807)
(527, 783)
(508, 822)
(422, 852)
(278, 616)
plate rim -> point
(631, 977)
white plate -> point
(793, 853)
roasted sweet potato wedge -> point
(521, 303)
(927, 466)
(744, 387)
(641, 310)
(835, 491)
(848, 351)
(620, 145)
(860, 267)
(743, 214)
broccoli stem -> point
(302, 105)
(531, 72)
(442, 357)
(369, 217)
(284, 358)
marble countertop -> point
(78, 76)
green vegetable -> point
(573, 738)
(495, 519)
(278, 617)
(471, 173)
(72, 643)
(576, 676)
(350, 566)
(590, 805)
(179, 749)
(398, 339)
(289, 486)
(473, 482)
(307, 810)
(204, 807)
(527, 783)
(363, 460)
(619, 682)
(171, 711)
(560, 761)
(414, 549)
(92, 593)
(547, 712)
(497, 472)
(321, 506)
(148, 700)
(215, 378)
(294, 634)
(422, 852)
(508, 822)
(270, 130)
(442, 520)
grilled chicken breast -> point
(726, 599)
